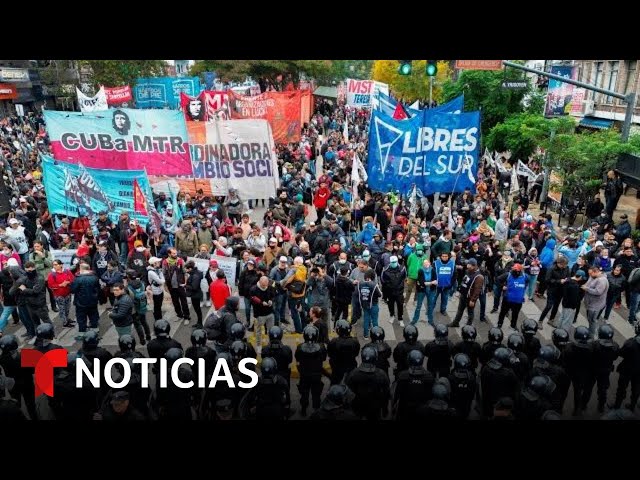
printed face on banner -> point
(193, 108)
(436, 151)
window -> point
(597, 78)
(613, 78)
(630, 81)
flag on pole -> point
(515, 188)
(499, 165)
(345, 130)
(139, 200)
(400, 113)
(176, 208)
(523, 169)
(415, 105)
(413, 201)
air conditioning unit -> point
(589, 107)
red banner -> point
(479, 64)
(8, 91)
(118, 95)
(306, 107)
(217, 104)
(193, 107)
(281, 109)
(139, 200)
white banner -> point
(64, 256)
(378, 87)
(522, 169)
(359, 92)
(499, 165)
(92, 104)
(227, 264)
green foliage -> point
(116, 73)
(409, 88)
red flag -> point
(139, 200)
(400, 113)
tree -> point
(410, 88)
(483, 91)
(116, 73)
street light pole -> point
(430, 91)
(547, 173)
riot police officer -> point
(548, 364)
(280, 352)
(310, 356)
(401, 352)
(497, 380)
(162, 341)
(438, 352)
(174, 403)
(269, 399)
(531, 343)
(578, 358)
(464, 384)
(384, 350)
(199, 349)
(493, 343)
(69, 402)
(90, 351)
(371, 387)
(560, 338)
(238, 332)
(629, 371)
(221, 397)
(23, 377)
(336, 405)
(127, 345)
(535, 398)
(438, 407)
(342, 352)
(413, 387)
(605, 353)
(469, 346)
(516, 344)
(44, 338)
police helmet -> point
(441, 331)
(560, 337)
(469, 333)
(127, 343)
(198, 337)
(45, 331)
(410, 333)
(461, 361)
(515, 342)
(605, 332)
(310, 334)
(238, 331)
(90, 339)
(161, 328)
(529, 327)
(269, 367)
(343, 328)
(496, 335)
(581, 334)
(275, 334)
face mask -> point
(393, 264)
(419, 253)
(342, 262)
(31, 273)
(140, 249)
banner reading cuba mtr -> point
(436, 151)
(122, 139)
(228, 154)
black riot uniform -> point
(383, 348)
(605, 353)
(342, 352)
(469, 346)
(162, 343)
(560, 338)
(44, 338)
(23, 377)
(138, 395)
(491, 345)
(90, 351)
(534, 398)
(238, 331)
(629, 371)
(402, 349)
(336, 405)
(522, 368)
(196, 351)
(531, 343)
(370, 386)
(310, 356)
(578, 358)
(438, 352)
(549, 364)
(464, 384)
(413, 387)
(438, 408)
(174, 403)
(280, 352)
(269, 399)
(222, 393)
(497, 381)
(71, 403)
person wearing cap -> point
(393, 278)
(276, 275)
(623, 229)
(205, 235)
(119, 409)
(556, 278)
(595, 297)
(501, 267)
(104, 221)
(515, 285)
(173, 269)
(247, 279)
(138, 258)
(16, 232)
(256, 239)
(414, 263)
(470, 289)
(272, 253)
(79, 226)
(156, 279)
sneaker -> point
(616, 305)
(28, 338)
(208, 303)
(186, 321)
(69, 324)
(366, 337)
(25, 335)
(493, 310)
(401, 324)
(143, 341)
(79, 338)
(391, 319)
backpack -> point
(215, 328)
(139, 299)
(634, 277)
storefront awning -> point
(329, 92)
(592, 122)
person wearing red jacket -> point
(134, 233)
(320, 200)
(59, 281)
(79, 227)
(219, 290)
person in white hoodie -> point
(17, 233)
(502, 227)
(156, 285)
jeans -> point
(531, 288)
(592, 318)
(566, 318)
(356, 310)
(196, 308)
(443, 293)
(123, 330)
(370, 317)
(141, 326)
(4, 317)
(279, 308)
(409, 287)
(607, 309)
(497, 293)
(431, 303)
(247, 309)
(179, 300)
(64, 306)
(124, 251)
(267, 320)
(157, 306)
(81, 316)
(483, 306)
(553, 303)
(633, 306)
(294, 304)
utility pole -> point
(430, 91)
(547, 172)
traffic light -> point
(405, 67)
(432, 68)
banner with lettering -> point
(228, 154)
(122, 139)
(435, 151)
(164, 92)
(193, 107)
(118, 96)
(92, 104)
(359, 92)
(217, 104)
(73, 189)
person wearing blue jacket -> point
(376, 245)
(546, 262)
(366, 235)
(515, 285)
(570, 250)
(445, 268)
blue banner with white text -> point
(164, 92)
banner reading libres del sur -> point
(122, 139)
(73, 189)
(436, 151)
(228, 154)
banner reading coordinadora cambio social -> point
(163, 92)
(122, 139)
(436, 151)
(70, 188)
(229, 154)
